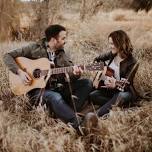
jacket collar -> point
(44, 44)
(128, 59)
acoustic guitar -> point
(40, 71)
(100, 76)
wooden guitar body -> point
(29, 66)
(98, 82)
(101, 76)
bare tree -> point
(9, 19)
(89, 8)
(46, 12)
(41, 17)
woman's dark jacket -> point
(126, 69)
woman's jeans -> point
(106, 98)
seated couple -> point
(57, 94)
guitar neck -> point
(61, 70)
(89, 67)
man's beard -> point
(60, 47)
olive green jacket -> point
(35, 51)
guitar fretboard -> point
(59, 70)
(91, 67)
(62, 70)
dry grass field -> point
(125, 130)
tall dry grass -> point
(125, 130)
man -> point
(55, 96)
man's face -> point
(60, 41)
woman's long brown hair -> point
(122, 42)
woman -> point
(119, 59)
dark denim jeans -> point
(106, 98)
(57, 103)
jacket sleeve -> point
(103, 57)
(9, 58)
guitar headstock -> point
(95, 66)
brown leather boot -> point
(90, 123)
(86, 125)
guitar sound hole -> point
(37, 73)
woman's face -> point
(112, 46)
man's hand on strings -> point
(26, 79)
(77, 70)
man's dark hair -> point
(53, 31)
